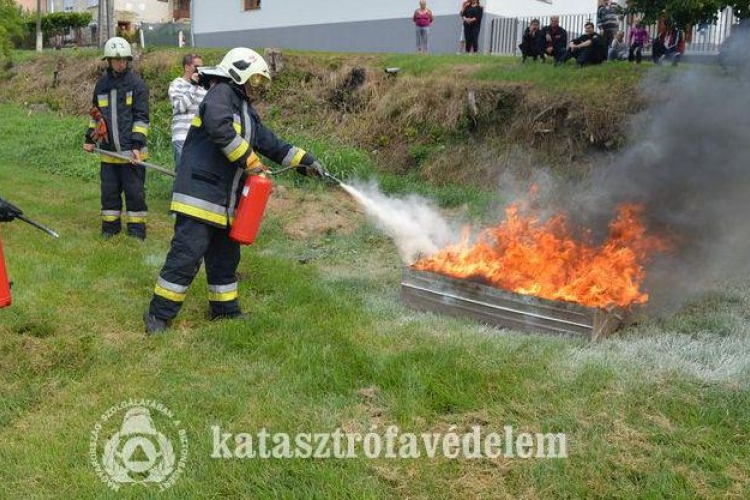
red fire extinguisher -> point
(5, 297)
(250, 210)
(10, 212)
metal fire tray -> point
(427, 291)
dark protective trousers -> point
(116, 179)
(194, 241)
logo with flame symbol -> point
(138, 452)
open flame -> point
(541, 258)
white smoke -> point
(414, 223)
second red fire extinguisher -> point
(5, 297)
(250, 210)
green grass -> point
(659, 412)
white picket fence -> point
(504, 34)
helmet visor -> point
(259, 82)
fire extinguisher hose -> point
(151, 166)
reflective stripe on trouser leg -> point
(111, 198)
(133, 184)
(222, 259)
(222, 293)
(189, 244)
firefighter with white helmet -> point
(222, 147)
(120, 123)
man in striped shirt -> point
(185, 95)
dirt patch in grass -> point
(310, 215)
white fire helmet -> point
(117, 48)
(244, 65)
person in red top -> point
(669, 44)
(422, 20)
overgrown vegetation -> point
(424, 121)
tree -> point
(11, 25)
(687, 12)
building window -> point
(252, 4)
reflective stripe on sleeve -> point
(293, 157)
(141, 128)
(235, 149)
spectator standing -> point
(461, 37)
(185, 94)
(618, 51)
(422, 20)
(587, 48)
(638, 42)
(607, 18)
(555, 39)
(472, 16)
(532, 42)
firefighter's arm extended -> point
(8, 211)
(287, 155)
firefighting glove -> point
(310, 166)
(254, 166)
(8, 212)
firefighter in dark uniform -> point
(222, 146)
(120, 123)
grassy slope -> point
(330, 346)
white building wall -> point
(211, 16)
(524, 8)
(146, 11)
(354, 25)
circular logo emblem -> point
(138, 442)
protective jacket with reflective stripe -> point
(123, 102)
(212, 171)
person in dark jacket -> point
(588, 48)
(555, 39)
(472, 17)
(221, 149)
(532, 42)
(120, 123)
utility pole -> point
(100, 21)
(39, 39)
(110, 19)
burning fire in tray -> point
(529, 256)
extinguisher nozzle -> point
(332, 179)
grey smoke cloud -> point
(689, 164)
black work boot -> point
(212, 316)
(154, 324)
